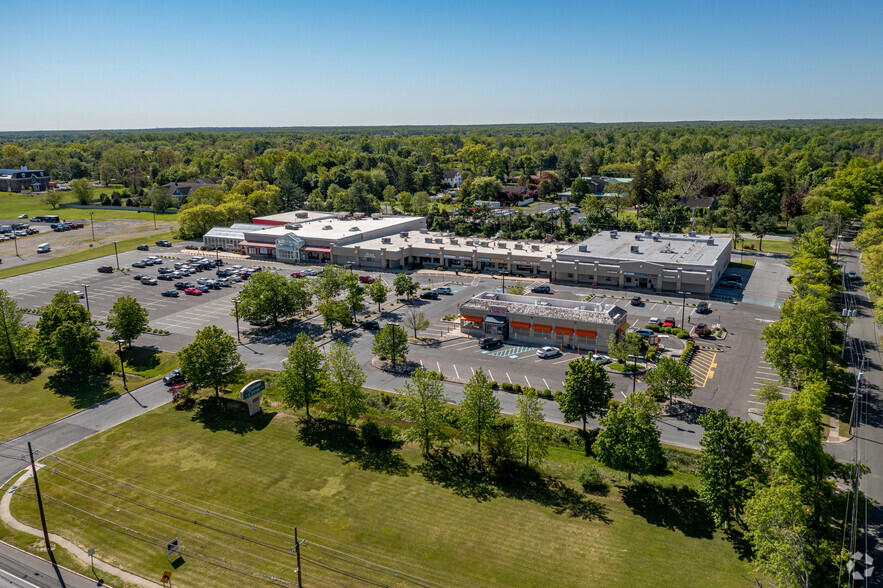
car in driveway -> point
(175, 377)
(541, 289)
(642, 332)
(636, 301)
(445, 290)
(489, 343)
(703, 308)
(370, 325)
(193, 291)
(142, 247)
(366, 279)
(702, 330)
(170, 293)
(669, 321)
(105, 269)
(548, 352)
(431, 295)
(598, 358)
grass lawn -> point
(769, 245)
(93, 253)
(436, 520)
(12, 205)
(28, 403)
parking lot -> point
(727, 372)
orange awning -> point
(517, 325)
(583, 333)
(544, 328)
(471, 319)
(564, 330)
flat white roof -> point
(662, 248)
(341, 229)
(292, 216)
(484, 247)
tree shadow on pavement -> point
(671, 507)
(84, 390)
(344, 440)
(227, 414)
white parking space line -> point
(545, 382)
(438, 365)
(488, 373)
(473, 370)
(561, 361)
(528, 381)
(456, 371)
(765, 378)
(508, 378)
(421, 363)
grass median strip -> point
(93, 253)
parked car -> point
(105, 269)
(548, 352)
(489, 343)
(298, 275)
(142, 247)
(366, 279)
(166, 277)
(370, 325)
(430, 295)
(309, 272)
(734, 285)
(602, 359)
(164, 270)
(77, 293)
(654, 321)
(137, 277)
(702, 330)
(191, 247)
(175, 377)
(25, 215)
(852, 275)
(170, 293)
(732, 278)
(139, 264)
(193, 291)
(541, 289)
(642, 332)
(669, 322)
(163, 243)
(703, 308)
(636, 301)
(444, 290)
(148, 281)
(183, 285)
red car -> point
(193, 291)
(298, 275)
(669, 322)
(366, 279)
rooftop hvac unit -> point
(424, 231)
(439, 240)
(326, 228)
(342, 215)
(534, 247)
(613, 234)
(501, 246)
(692, 233)
(656, 237)
(386, 240)
(376, 216)
(353, 229)
(519, 246)
(358, 215)
(711, 240)
(647, 233)
(427, 239)
(302, 214)
(469, 242)
(583, 248)
(638, 237)
(484, 244)
(635, 249)
(293, 226)
(403, 234)
(454, 241)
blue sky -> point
(79, 64)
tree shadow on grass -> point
(22, 373)
(227, 414)
(345, 441)
(468, 476)
(740, 543)
(141, 359)
(672, 507)
(84, 390)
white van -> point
(44, 248)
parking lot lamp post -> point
(15, 240)
(236, 311)
(683, 308)
(634, 371)
(92, 223)
(86, 290)
(116, 253)
(394, 325)
(122, 367)
(154, 220)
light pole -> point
(848, 314)
(116, 253)
(236, 311)
(634, 371)
(683, 308)
(394, 325)
(15, 240)
(122, 366)
(86, 290)
(92, 223)
(154, 220)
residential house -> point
(23, 180)
(452, 178)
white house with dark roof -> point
(452, 178)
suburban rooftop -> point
(576, 310)
(652, 247)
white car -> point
(654, 321)
(23, 216)
(602, 359)
(77, 293)
(852, 275)
(444, 290)
(548, 352)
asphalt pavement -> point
(20, 569)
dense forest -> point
(764, 176)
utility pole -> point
(117, 254)
(40, 503)
(92, 224)
(683, 309)
(86, 290)
(236, 309)
(122, 365)
(297, 551)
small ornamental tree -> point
(480, 408)
(303, 374)
(378, 292)
(343, 384)
(211, 361)
(587, 391)
(422, 403)
(405, 285)
(127, 320)
(392, 342)
(629, 440)
(670, 378)
(531, 431)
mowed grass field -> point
(28, 403)
(234, 489)
(12, 205)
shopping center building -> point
(530, 320)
